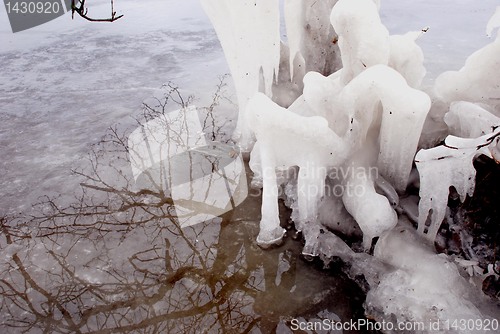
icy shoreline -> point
(59, 93)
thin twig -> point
(82, 11)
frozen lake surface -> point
(62, 85)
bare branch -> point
(81, 10)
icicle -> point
(286, 90)
(442, 167)
(249, 32)
(294, 18)
(310, 36)
(286, 139)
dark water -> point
(110, 266)
(118, 257)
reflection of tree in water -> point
(117, 260)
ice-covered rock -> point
(333, 215)
(385, 188)
(409, 206)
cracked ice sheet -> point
(63, 83)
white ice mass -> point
(250, 36)
(300, 97)
(363, 110)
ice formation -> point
(473, 122)
(363, 39)
(310, 37)
(250, 36)
(403, 115)
(440, 168)
(422, 286)
(285, 139)
(372, 211)
(365, 108)
(407, 57)
(452, 164)
(369, 113)
(469, 120)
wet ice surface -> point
(117, 261)
(62, 84)
(115, 258)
